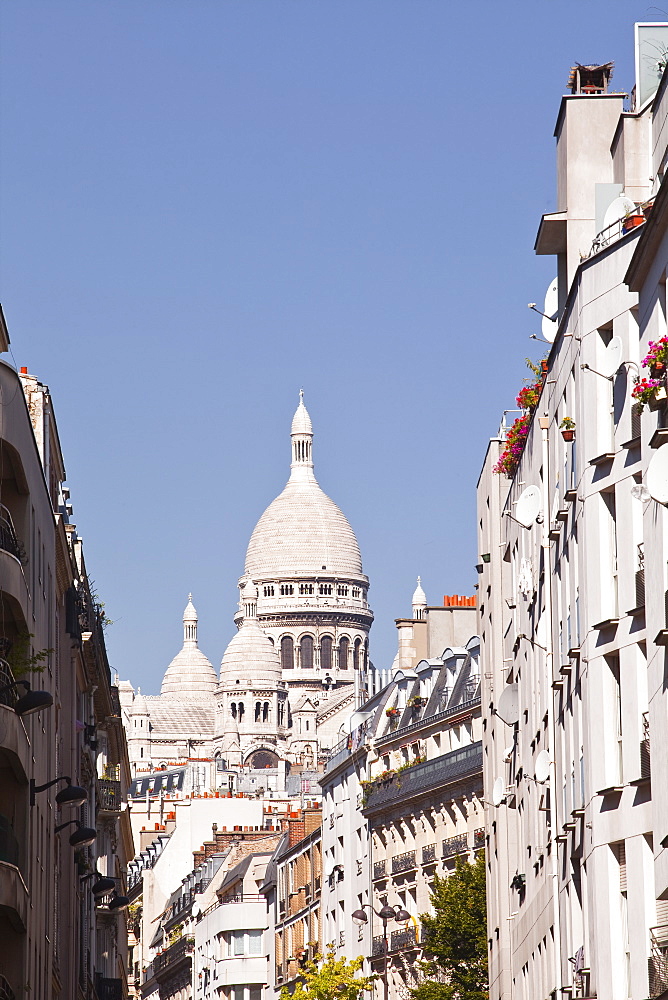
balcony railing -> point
(478, 838)
(403, 862)
(379, 869)
(428, 854)
(9, 845)
(180, 950)
(108, 989)
(8, 540)
(406, 938)
(658, 963)
(109, 795)
(422, 778)
(455, 845)
(11, 696)
(377, 946)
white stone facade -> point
(572, 606)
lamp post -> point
(385, 913)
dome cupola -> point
(190, 675)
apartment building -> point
(572, 583)
(64, 834)
(402, 794)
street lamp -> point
(31, 701)
(71, 795)
(385, 913)
(83, 836)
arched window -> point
(258, 710)
(306, 652)
(241, 710)
(265, 712)
(344, 645)
(281, 713)
(326, 652)
(287, 653)
(263, 758)
(356, 654)
(233, 709)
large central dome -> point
(302, 532)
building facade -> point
(572, 590)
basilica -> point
(296, 668)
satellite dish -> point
(617, 209)
(542, 767)
(508, 708)
(527, 508)
(612, 357)
(656, 477)
(641, 493)
(550, 323)
(498, 791)
(195, 910)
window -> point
(243, 943)
(258, 710)
(233, 709)
(287, 653)
(306, 652)
(268, 591)
(241, 710)
(325, 589)
(342, 591)
(305, 588)
(356, 654)
(356, 592)
(326, 652)
(343, 653)
(287, 590)
(265, 712)
(281, 713)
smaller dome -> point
(190, 615)
(250, 658)
(139, 706)
(249, 592)
(419, 596)
(190, 675)
(301, 422)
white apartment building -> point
(572, 584)
(402, 794)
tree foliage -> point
(456, 936)
(330, 979)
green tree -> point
(455, 936)
(329, 979)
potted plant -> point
(649, 392)
(567, 427)
(657, 358)
(544, 366)
(416, 701)
(393, 713)
(632, 219)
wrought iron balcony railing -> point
(428, 854)
(455, 845)
(108, 989)
(8, 540)
(406, 938)
(109, 795)
(403, 862)
(377, 946)
(177, 952)
(379, 869)
(422, 778)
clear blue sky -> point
(206, 205)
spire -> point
(419, 600)
(301, 433)
(190, 625)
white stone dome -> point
(302, 532)
(190, 675)
(250, 658)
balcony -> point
(425, 778)
(403, 862)
(108, 989)
(455, 845)
(478, 839)
(658, 963)
(400, 940)
(379, 869)
(8, 540)
(180, 951)
(109, 795)
(428, 854)
(378, 946)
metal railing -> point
(406, 938)
(428, 854)
(645, 755)
(9, 697)
(455, 845)
(421, 778)
(478, 838)
(109, 795)
(378, 946)
(658, 963)
(108, 989)
(379, 869)
(463, 706)
(403, 862)
(181, 949)
(8, 540)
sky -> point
(207, 205)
